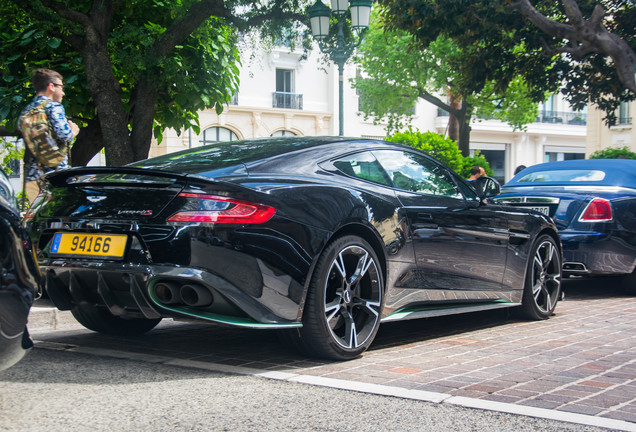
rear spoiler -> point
(113, 175)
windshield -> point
(563, 176)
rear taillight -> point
(214, 209)
(598, 210)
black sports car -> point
(593, 203)
(19, 279)
(324, 237)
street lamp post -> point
(319, 17)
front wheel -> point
(102, 321)
(344, 302)
(543, 280)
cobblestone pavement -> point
(582, 360)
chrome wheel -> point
(353, 297)
(546, 277)
(543, 280)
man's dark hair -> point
(41, 78)
(519, 169)
(475, 170)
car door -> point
(460, 244)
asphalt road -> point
(68, 391)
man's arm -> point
(63, 129)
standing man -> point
(48, 86)
(477, 176)
(476, 172)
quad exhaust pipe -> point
(195, 295)
(167, 292)
(172, 293)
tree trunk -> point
(106, 92)
(463, 143)
(464, 128)
(88, 143)
(143, 119)
(454, 122)
(459, 123)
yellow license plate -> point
(93, 245)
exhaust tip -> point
(167, 292)
(195, 295)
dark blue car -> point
(593, 204)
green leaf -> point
(54, 43)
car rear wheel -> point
(344, 302)
(102, 321)
(543, 280)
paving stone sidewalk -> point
(582, 360)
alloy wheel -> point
(546, 276)
(353, 297)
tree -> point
(131, 67)
(443, 149)
(587, 45)
(398, 70)
(579, 37)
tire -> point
(542, 287)
(344, 303)
(629, 283)
(102, 321)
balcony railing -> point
(572, 118)
(287, 100)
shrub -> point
(443, 149)
(614, 153)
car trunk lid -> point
(103, 192)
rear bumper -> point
(596, 253)
(129, 291)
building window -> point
(282, 133)
(284, 96)
(624, 115)
(561, 156)
(216, 134)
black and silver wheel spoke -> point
(546, 276)
(353, 297)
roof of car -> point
(616, 172)
(263, 154)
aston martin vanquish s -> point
(323, 238)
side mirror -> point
(486, 187)
(489, 187)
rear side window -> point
(414, 173)
(363, 166)
(563, 176)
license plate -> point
(544, 210)
(91, 245)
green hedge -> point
(614, 153)
(443, 149)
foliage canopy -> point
(586, 46)
(131, 68)
(398, 70)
